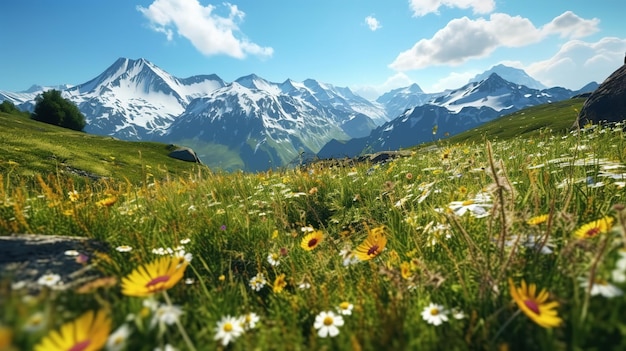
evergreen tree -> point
(52, 108)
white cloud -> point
(372, 23)
(424, 7)
(569, 25)
(398, 80)
(463, 38)
(453, 81)
(209, 32)
(578, 63)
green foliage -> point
(52, 108)
(8, 107)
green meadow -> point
(507, 237)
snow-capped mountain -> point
(255, 124)
(511, 74)
(498, 94)
(399, 100)
(25, 100)
(262, 123)
(450, 113)
(135, 99)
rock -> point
(184, 153)
(608, 102)
(24, 258)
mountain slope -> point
(260, 124)
(135, 100)
(514, 75)
(449, 114)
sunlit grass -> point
(422, 252)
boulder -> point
(185, 154)
(608, 102)
(24, 258)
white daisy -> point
(273, 259)
(601, 287)
(258, 282)
(345, 308)
(348, 257)
(476, 209)
(49, 280)
(227, 330)
(435, 314)
(249, 320)
(124, 248)
(326, 324)
(117, 339)
(166, 315)
(304, 285)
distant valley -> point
(253, 124)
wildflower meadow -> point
(495, 245)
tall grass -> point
(461, 220)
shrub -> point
(52, 108)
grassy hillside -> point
(516, 244)
(556, 117)
(29, 147)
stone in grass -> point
(25, 258)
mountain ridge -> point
(137, 100)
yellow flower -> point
(73, 195)
(592, 229)
(446, 154)
(534, 305)
(158, 275)
(311, 240)
(89, 332)
(108, 202)
(405, 270)
(537, 220)
(279, 284)
(373, 245)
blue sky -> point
(371, 46)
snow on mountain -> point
(497, 94)
(513, 75)
(267, 123)
(451, 112)
(135, 99)
(398, 100)
(25, 100)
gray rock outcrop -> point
(608, 102)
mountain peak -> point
(511, 74)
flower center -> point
(157, 280)
(328, 321)
(80, 346)
(532, 305)
(228, 327)
(467, 202)
(434, 311)
(312, 242)
(373, 250)
(344, 305)
(592, 232)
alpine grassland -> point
(509, 242)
